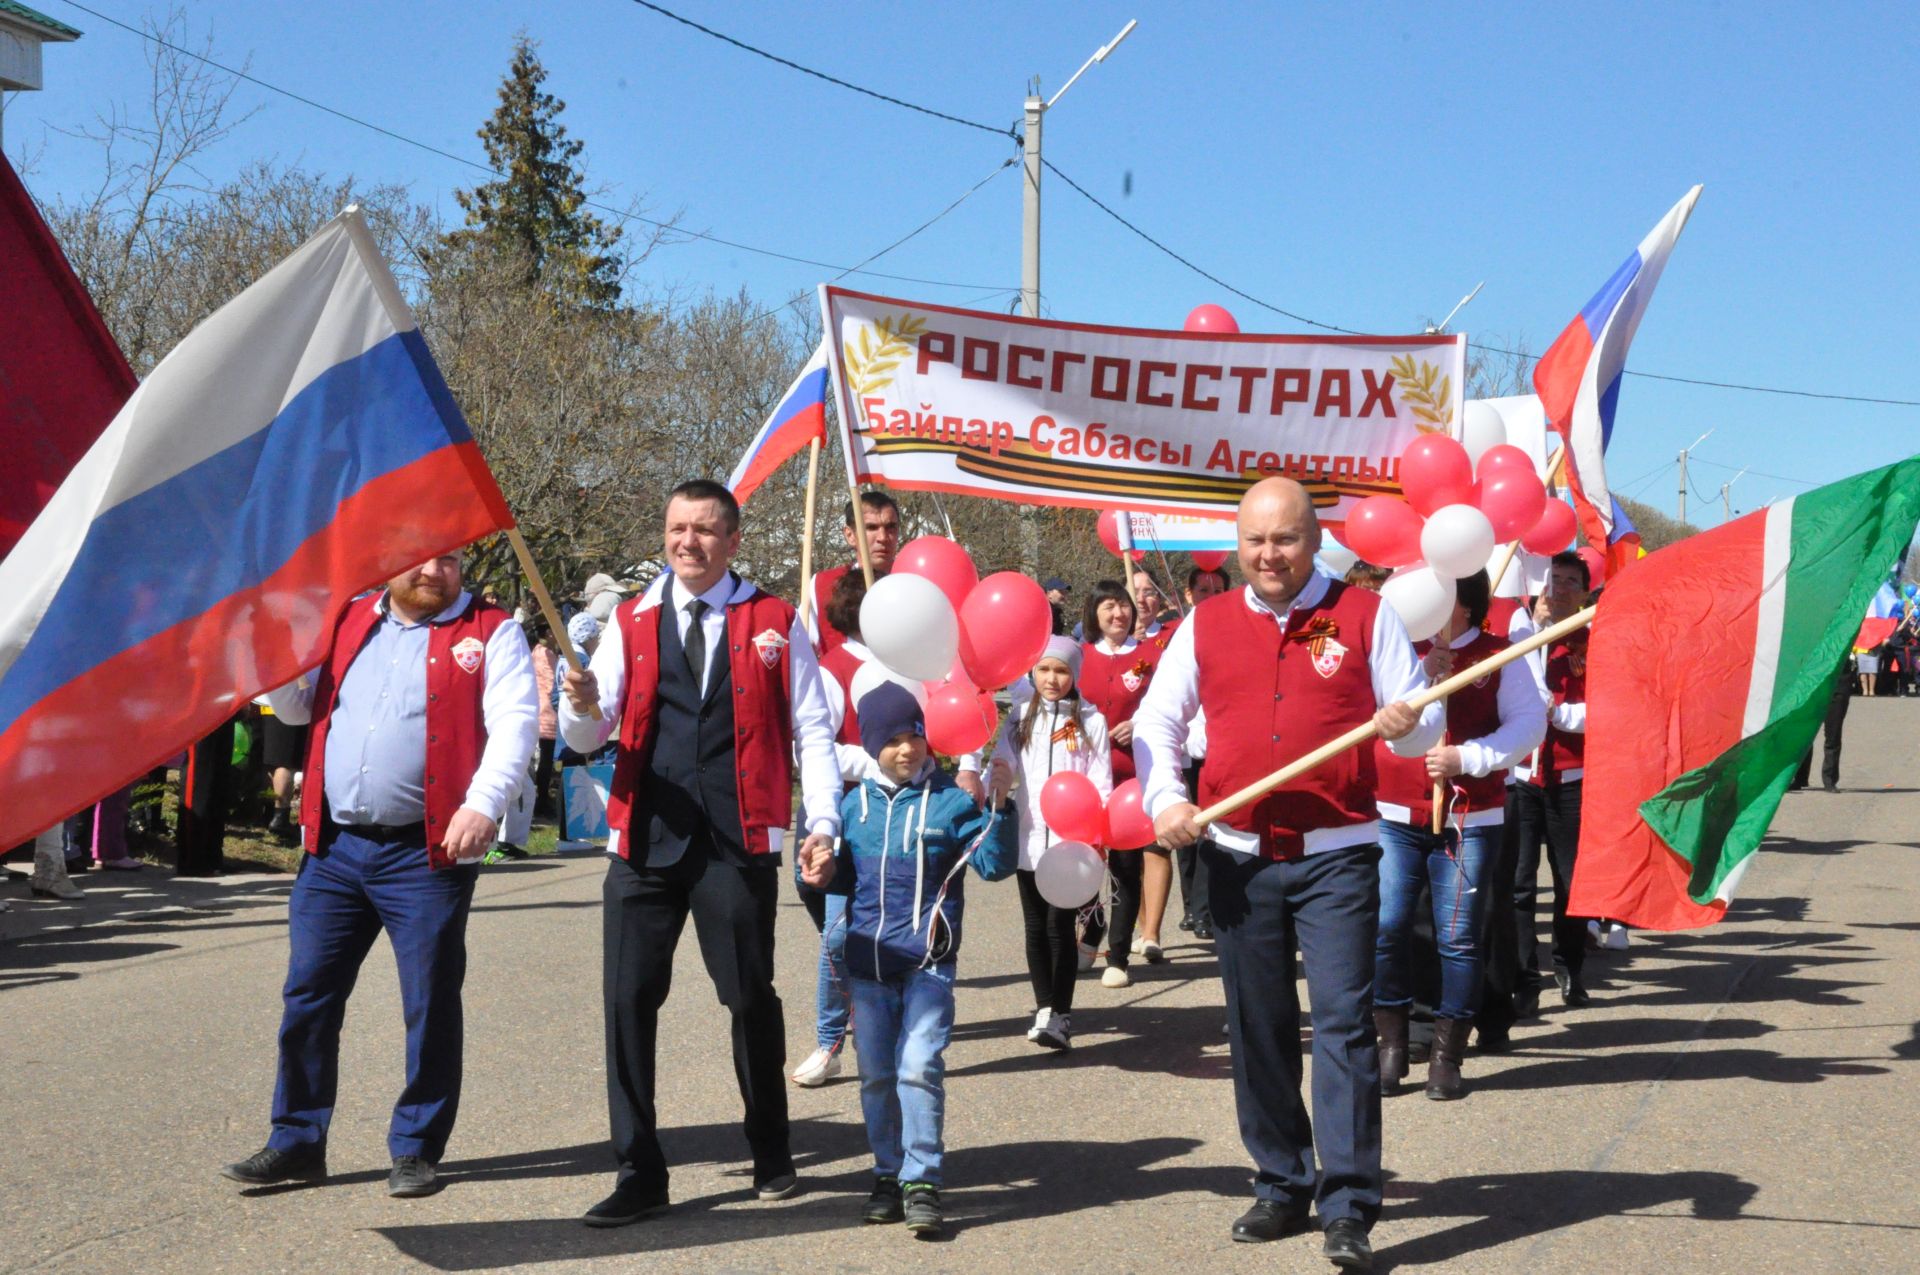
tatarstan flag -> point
(1708, 673)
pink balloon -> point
(1004, 625)
(1070, 805)
(1512, 500)
(941, 561)
(955, 722)
(1552, 532)
(1209, 559)
(1109, 528)
(1385, 531)
(1505, 456)
(1127, 822)
(1435, 472)
(1211, 318)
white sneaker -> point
(1058, 1033)
(1614, 937)
(1040, 1017)
(821, 1066)
(1087, 953)
(1116, 977)
(1150, 950)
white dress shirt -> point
(1162, 722)
(1570, 718)
(812, 721)
(509, 705)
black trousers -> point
(1053, 947)
(733, 913)
(1501, 942)
(1830, 756)
(1551, 815)
(1125, 868)
(1193, 870)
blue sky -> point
(1364, 165)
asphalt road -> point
(1741, 1099)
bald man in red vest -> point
(1280, 667)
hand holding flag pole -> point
(1361, 734)
(548, 611)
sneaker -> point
(1151, 951)
(269, 1165)
(884, 1204)
(1613, 937)
(1040, 1019)
(777, 1187)
(1116, 976)
(1057, 1034)
(411, 1176)
(921, 1205)
(822, 1065)
(125, 863)
(1087, 953)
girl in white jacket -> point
(1053, 731)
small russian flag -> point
(1578, 378)
(801, 418)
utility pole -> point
(22, 32)
(1726, 499)
(1683, 474)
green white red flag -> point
(1708, 673)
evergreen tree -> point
(537, 210)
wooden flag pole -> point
(860, 535)
(550, 612)
(1361, 734)
(806, 534)
(1439, 821)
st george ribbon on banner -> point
(1047, 413)
(297, 448)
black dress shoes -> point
(629, 1203)
(1346, 1245)
(1266, 1221)
(271, 1165)
(1572, 991)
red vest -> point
(1270, 701)
(1115, 684)
(1567, 682)
(456, 721)
(759, 657)
(831, 639)
(843, 664)
(1472, 712)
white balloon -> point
(1457, 541)
(1068, 874)
(1335, 557)
(873, 673)
(908, 623)
(1422, 600)
(1481, 427)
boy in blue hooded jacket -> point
(908, 834)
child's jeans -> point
(905, 1023)
(830, 995)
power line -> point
(1491, 349)
(1008, 131)
(1757, 473)
(622, 213)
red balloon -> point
(941, 561)
(1552, 532)
(1071, 807)
(1503, 456)
(1512, 500)
(1385, 531)
(1004, 625)
(1127, 822)
(1435, 472)
(1109, 527)
(1211, 318)
(1596, 566)
(956, 723)
(1209, 559)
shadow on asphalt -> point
(1018, 1180)
(1500, 1208)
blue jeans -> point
(905, 1024)
(830, 998)
(345, 896)
(1457, 881)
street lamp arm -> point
(1100, 55)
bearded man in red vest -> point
(1280, 667)
(424, 717)
(713, 687)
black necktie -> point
(696, 643)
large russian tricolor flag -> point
(1578, 378)
(297, 448)
(800, 418)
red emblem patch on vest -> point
(468, 652)
(1326, 660)
(769, 644)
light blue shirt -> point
(377, 742)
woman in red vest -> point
(1491, 724)
(1115, 670)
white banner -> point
(1040, 412)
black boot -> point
(1443, 1070)
(1391, 1026)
